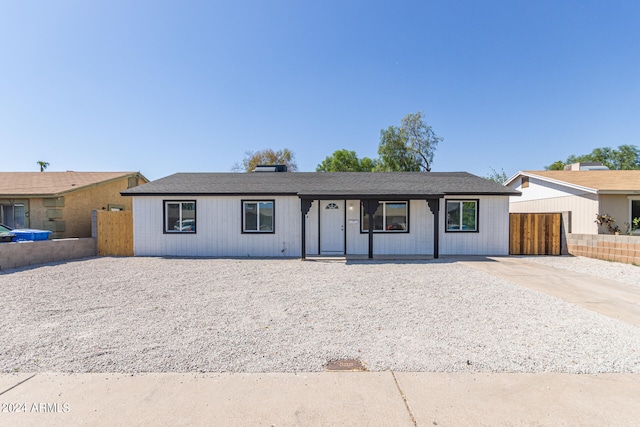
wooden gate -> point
(535, 233)
(114, 233)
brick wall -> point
(621, 248)
(20, 254)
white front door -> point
(332, 227)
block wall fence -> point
(21, 254)
(621, 248)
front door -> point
(332, 227)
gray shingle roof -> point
(324, 184)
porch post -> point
(305, 205)
(370, 208)
(434, 206)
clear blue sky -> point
(185, 86)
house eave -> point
(329, 196)
(31, 196)
(552, 181)
(620, 192)
(377, 196)
(505, 194)
(201, 193)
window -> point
(12, 215)
(462, 215)
(114, 208)
(389, 217)
(179, 216)
(635, 213)
(258, 216)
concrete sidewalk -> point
(314, 399)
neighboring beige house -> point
(582, 190)
(62, 201)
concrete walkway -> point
(316, 399)
(350, 398)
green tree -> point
(394, 152)
(346, 161)
(267, 157)
(495, 176)
(43, 165)
(558, 165)
(408, 148)
(625, 157)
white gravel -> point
(223, 315)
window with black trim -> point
(462, 215)
(391, 217)
(179, 216)
(258, 216)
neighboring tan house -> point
(582, 191)
(272, 214)
(62, 201)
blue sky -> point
(165, 86)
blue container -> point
(27, 234)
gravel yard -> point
(227, 315)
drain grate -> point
(345, 365)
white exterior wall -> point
(492, 237)
(357, 243)
(619, 207)
(219, 225)
(312, 229)
(218, 228)
(419, 240)
(546, 197)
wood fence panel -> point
(114, 233)
(535, 233)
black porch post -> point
(305, 205)
(434, 206)
(370, 208)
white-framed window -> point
(180, 216)
(462, 215)
(390, 217)
(258, 216)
